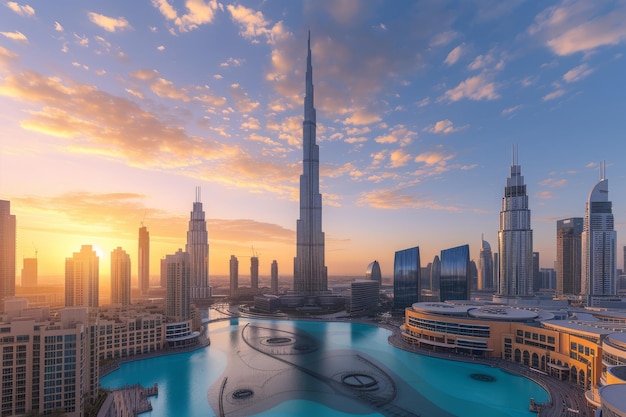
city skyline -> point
(112, 115)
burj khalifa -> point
(310, 275)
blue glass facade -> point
(454, 283)
(406, 278)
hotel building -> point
(373, 272)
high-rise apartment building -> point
(274, 277)
(310, 275)
(7, 250)
(435, 277)
(198, 250)
(406, 278)
(29, 272)
(599, 242)
(82, 278)
(515, 237)
(120, 277)
(496, 272)
(143, 260)
(536, 274)
(568, 255)
(373, 272)
(254, 272)
(485, 267)
(234, 275)
(177, 295)
(454, 283)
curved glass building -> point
(485, 267)
(373, 272)
(454, 283)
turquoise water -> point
(296, 368)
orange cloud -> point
(395, 199)
(21, 10)
(473, 88)
(16, 36)
(198, 13)
(110, 24)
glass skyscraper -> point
(373, 272)
(515, 238)
(599, 242)
(406, 278)
(568, 255)
(454, 283)
(485, 267)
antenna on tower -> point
(143, 218)
(198, 194)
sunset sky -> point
(113, 112)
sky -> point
(113, 113)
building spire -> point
(309, 109)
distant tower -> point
(274, 279)
(234, 275)
(435, 277)
(82, 278)
(485, 267)
(455, 278)
(373, 272)
(7, 250)
(177, 296)
(254, 272)
(536, 274)
(406, 278)
(599, 242)
(568, 255)
(29, 272)
(515, 238)
(310, 275)
(120, 277)
(198, 249)
(143, 260)
(163, 277)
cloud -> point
(6, 56)
(198, 13)
(352, 139)
(21, 10)
(510, 110)
(244, 103)
(443, 38)
(553, 183)
(110, 24)
(444, 127)
(362, 117)
(434, 158)
(544, 195)
(576, 74)
(16, 36)
(397, 134)
(454, 55)
(580, 26)
(398, 158)
(160, 48)
(58, 27)
(553, 95)
(235, 62)
(397, 199)
(473, 88)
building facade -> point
(568, 256)
(178, 297)
(254, 272)
(406, 278)
(143, 260)
(82, 278)
(7, 250)
(364, 299)
(373, 272)
(515, 238)
(29, 272)
(454, 283)
(120, 277)
(274, 277)
(198, 249)
(485, 267)
(599, 243)
(310, 275)
(234, 275)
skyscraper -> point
(198, 250)
(455, 278)
(82, 278)
(310, 275)
(536, 274)
(120, 277)
(599, 242)
(234, 275)
(515, 238)
(406, 278)
(29, 272)
(143, 260)
(568, 255)
(485, 267)
(373, 272)
(254, 272)
(177, 295)
(435, 277)
(7, 250)
(274, 278)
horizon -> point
(112, 117)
